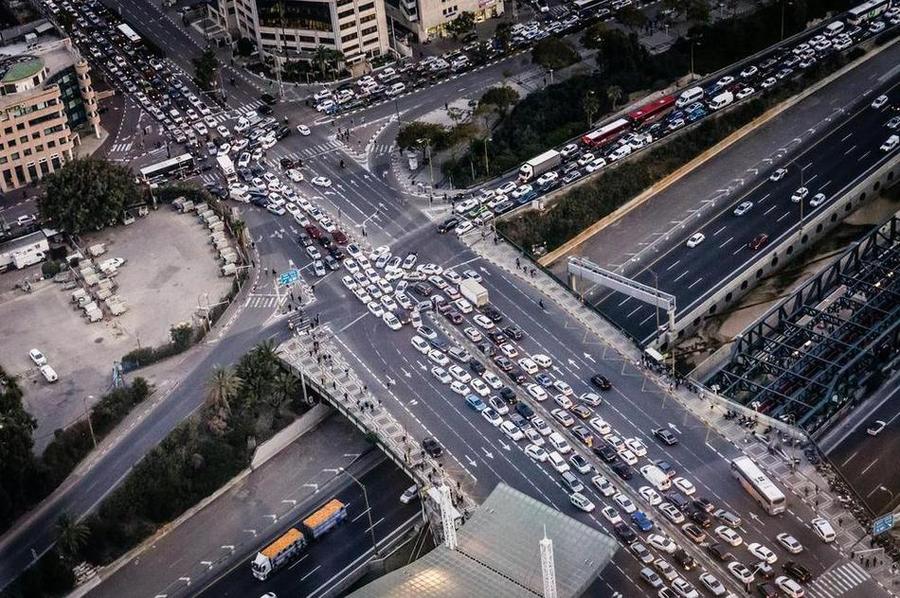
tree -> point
(257, 371)
(632, 17)
(87, 194)
(327, 59)
(614, 93)
(590, 104)
(502, 98)
(418, 133)
(697, 10)
(462, 24)
(71, 536)
(245, 46)
(206, 69)
(503, 35)
(553, 53)
(593, 35)
(222, 386)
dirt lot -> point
(170, 267)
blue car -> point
(475, 403)
(641, 520)
(543, 379)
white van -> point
(657, 477)
(559, 443)
(835, 28)
(689, 97)
(620, 152)
(721, 100)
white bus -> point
(867, 11)
(760, 487)
(177, 167)
(130, 33)
(226, 166)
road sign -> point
(289, 277)
(883, 524)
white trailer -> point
(539, 165)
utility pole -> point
(487, 168)
(87, 414)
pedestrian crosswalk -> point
(315, 150)
(247, 108)
(837, 581)
(120, 148)
(262, 301)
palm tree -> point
(326, 56)
(591, 106)
(286, 385)
(257, 370)
(222, 387)
(614, 93)
(71, 535)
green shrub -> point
(49, 269)
(553, 53)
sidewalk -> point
(251, 507)
(804, 481)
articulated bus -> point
(177, 167)
(867, 11)
(758, 485)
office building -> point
(427, 19)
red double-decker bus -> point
(652, 110)
(606, 133)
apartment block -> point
(45, 95)
(427, 19)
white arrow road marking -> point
(677, 431)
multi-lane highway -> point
(828, 165)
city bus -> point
(130, 33)
(652, 110)
(867, 11)
(758, 485)
(589, 8)
(606, 133)
(177, 167)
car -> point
(817, 200)
(432, 446)
(603, 485)
(491, 416)
(740, 572)
(321, 181)
(797, 571)
(483, 322)
(650, 495)
(684, 485)
(601, 382)
(642, 553)
(512, 431)
(719, 552)
(303, 130)
(636, 446)
(822, 528)
(665, 436)
(789, 587)
(665, 569)
(48, 373)
(537, 393)
(628, 457)
(625, 533)
(438, 358)
(581, 502)
(762, 553)
(712, 584)
(542, 360)
(475, 403)
(37, 357)
(611, 515)
(662, 542)
(684, 560)
(790, 543)
(876, 427)
(692, 531)
(890, 143)
(726, 534)
(800, 194)
(563, 417)
(695, 239)
(894, 123)
(758, 242)
(743, 208)
(650, 576)
(640, 519)
(557, 461)
(671, 513)
(409, 494)
(879, 101)
(744, 92)
(563, 401)
(769, 82)
(581, 464)
(727, 517)
(536, 452)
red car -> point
(314, 231)
(758, 241)
(339, 237)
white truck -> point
(473, 292)
(539, 165)
(226, 166)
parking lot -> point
(160, 282)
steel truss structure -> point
(828, 344)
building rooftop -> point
(25, 68)
(498, 555)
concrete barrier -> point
(292, 432)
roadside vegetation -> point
(245, 405)
(553, 115)
(554, 53)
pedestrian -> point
(518, 263)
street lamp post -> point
(368, 510)
(87, 414)
(487, 168)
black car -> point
(432, 447)
(448, 224)
(476, 366)
(701, 518)
(493, 313)
(268, 99)
(720, 553)
(703, 504)
(518, 421)
(265, 109)
(514, 331)
(286, 163)
(332, 263)
(622, 470)
(282, 132)
(678, 499)
(486, 348)
(601, 382)
(606, 452)
(625, 533)
(508, 395)
(665, 436)
(422, 288)
(517, 375)
(767, 590)
(797, 571)
(496, 336)
(524, 410)
(685, 560)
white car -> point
(491, 416)
(438, 357)
(541, 426)
(650, 495)
(778, 175)
(418, 343)
(762, 553)
(750, 71)
(375, 309)
(817, 200)
(611, 515)
(529, 366)
(743, 208)
(493, 380)
(295, 175)
(537, 453)
(712, 584)
(725, 81)
(441, 374)
(741, 572)
(600, 424)
(628, 457)
(321, 181)
(684, 589)
(557, 461)
(581, 501)
(563, 401)
(536, 392)
(729, 536)
(472, 334)
(459, 374)
(663, 543)
(542, 360)
(303, 130)
(463, 227)
(512, 431)
(790, 543)
(879, 101)
(459, 388)
(37, 357)
(563, 387)
(603, 485)
(684, 485)
(624, 503)
(483, 321)
(48, 373)
(695, 239)
(480, 388)
(671, 513)
(636, 446)
(744, 93)
(591, 398)
(800, 194)
(822, 527)
(789, 587)
(890, 144)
